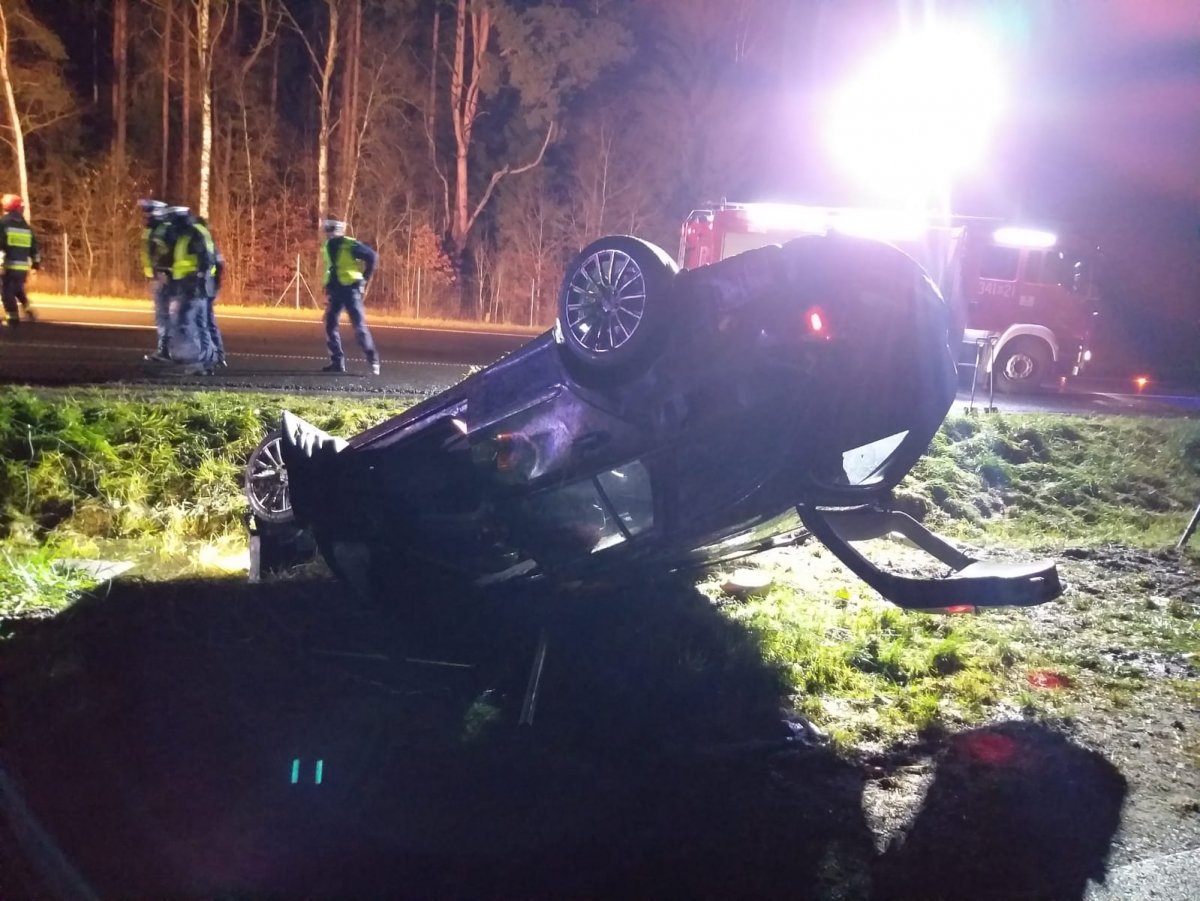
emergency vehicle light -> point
(770, 217)
(1024, 237)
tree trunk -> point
(266, 34)
(431, 121)
(275, 81)
(350, 105)
(120, 88)
(327, 71)
(164, 183)
(185, 105)
(204, 52)
(14, 116)
(462, 130)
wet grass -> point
(1044, 478)
(870, 673)
(153, 477)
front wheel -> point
(1023, 364)
(614, 303)
(267, 488)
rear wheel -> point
(614, 303)
(1023, 364)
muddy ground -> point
(167, 736)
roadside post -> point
(1191, 529)
(988, 344)
(297, 280)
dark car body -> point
(766, 395)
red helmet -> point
(12, 203)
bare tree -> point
(10, 99)
(348, 115)
(473, 24)
(270, 17)
(36, 95)
(207, 32)
(185, 106)
(324, 62)
(537, 54)
(120, 87)
(168, 19)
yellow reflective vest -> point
(346, 268)
(188, 263)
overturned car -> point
(669, 419)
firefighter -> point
(348, 265)
(156, 266)
(20, 249)
(192, 264)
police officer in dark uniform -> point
(212, 287)
(349, 265)
(156, 266)
(192, 264)
(19, 246)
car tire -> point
(1023, 364)
(266, 482)
(614, 304)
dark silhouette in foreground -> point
(1015, 811)
(199, 739)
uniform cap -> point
(333, 226)
(12, 203)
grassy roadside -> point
(154, 477)
(149, 477)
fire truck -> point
(1023, 300)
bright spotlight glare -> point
(919, 114)
(882, 226)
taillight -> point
(816, 322)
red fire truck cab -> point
(1024, 299)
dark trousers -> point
(350, 299)
(214, 331)
(12, 287)
(162, 311)
(191, 339)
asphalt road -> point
(81, 342)
(103, 342)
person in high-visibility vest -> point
(156, 266)
(348, 266)
(20, 248)
(193, 263)
(212, 287)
